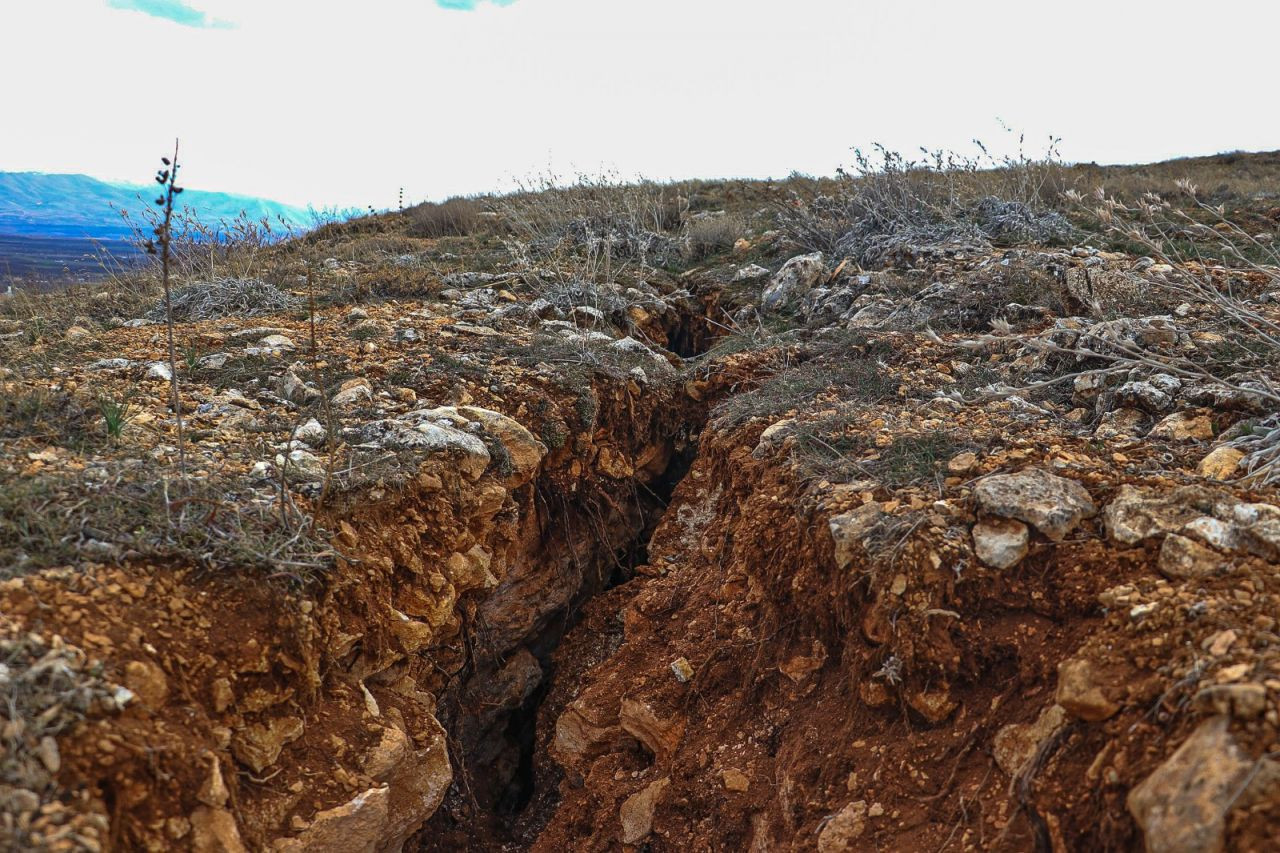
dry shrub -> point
(456, 217)
(592, 227)
(707, 236)
(225, 297)
(890, 200)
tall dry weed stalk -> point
(167, 178)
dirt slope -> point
(762, 552)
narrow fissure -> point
(504, 802)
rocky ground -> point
(758, 550)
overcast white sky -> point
(326, 102)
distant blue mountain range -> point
(37, 204)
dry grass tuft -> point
(456, 217)
(225, 297)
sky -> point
(333, 102)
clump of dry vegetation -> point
(225, 297)
(889, 201)
(456, 217)
(707, 236)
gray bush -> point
(225, 297)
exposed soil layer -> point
(651, 567)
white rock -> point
(1182, 806)
(312, 432)
(796, 278)
(159, 370)
(1053, 505)
(751, 272)
(1000, 543)
(277, 342)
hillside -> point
(913, 511)
(33, 203)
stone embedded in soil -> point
(682, 670)
(1183, 426)
(583, 732)
(148, 683)
(353, 391)
(257, 746)
(962, 463)
(799, 667)
(1182, 806)
(735, 780)
(1241, 701)
(1017, 743)
(1137, 513)
(1185, 559)
(660, 736)
(638, 809)
(213, 792)
(1221, 463)
(842, 831)
(524, 452)
(849, 529)
(384, 757)
(1082, 692)
(796, 278)
(214, 831)
(1000, 543)
(935, 704)
(357, 826)
(1053, 505)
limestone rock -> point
(1000, 543)
(1139, 513)
(312, 432)
(796, 278)
(159, 370)
(356, 826)
(213, 792)
(353, 391)
(1153, 395)
(1015, 744)
(1182, 806)
(277, 342)
(214, 831)
(850, 528)
(659, 736)
(735, 780)
(751, 272)
(387, 754)
(1183, 426)
(417, 785)
(935, 704)
(1242, 701)
(1185, 558)
(583, 733)
(413, 432)
(962, 463)
(682, 670)
(844, 829)
(1222, 463)
(302, 466)
(801, 666)
(471, 570)
(1121, 424)
(523, 450)
(637, 812)
(1053, 505)
(148, 683)
(1081, 692)
(258, 746)
(635, 347)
